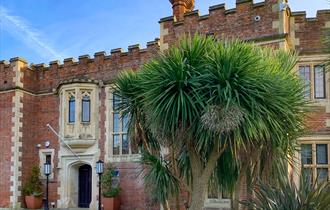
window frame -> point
(70, 121)
(89, 109)
(324, 82)
(314, 166)
(130, 157)
(312, 64)
(305, 81)
(43, 153)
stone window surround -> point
(312, 62)
(42, 159)
(312, 73)
(314, 165)
(109, 133)
(79, 134)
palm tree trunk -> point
(235, 202)
(176, 173)
(166, 206)
(201, 175)
(198, 194)
(249, 184)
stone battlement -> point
(247, 21)
(42, 78)
(314, 27)
(319, 14)
(115, 55)
(215, 9)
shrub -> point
(110, 187)
(33, 185)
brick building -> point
(75, 98)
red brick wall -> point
(6, 124)
(132, 194)
(6, 76)
(309, 31)
(102, 115)
(38, 112)
(49, 113)
(233, 23)
(316, 119)
(101, 67)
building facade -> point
(75, 99)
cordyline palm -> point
(287, 195)
(205, 101)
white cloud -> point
(31, 37)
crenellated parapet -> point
(247, 21)
(44, 78)
(307, 33)
(116, 55)
(11, 73)
(6, 75)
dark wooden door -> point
(85, 186)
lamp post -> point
(99, 171)
(47, 172)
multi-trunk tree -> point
(205, 109)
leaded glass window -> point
(305, 75)
(86, 109)
(306, 154)
(72, 109)
(120, 139)
(319, 82)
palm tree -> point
(208, 102)
(287, 195)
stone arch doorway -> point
(84, 186)
(69, 180)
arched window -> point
(86, 109)
(72, 109)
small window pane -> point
(322, 175)
(48, 159)
(116, 143)
(86, 109)
(306, 154)
(116, 102)
(319, 82)
(125, 124)
(322, 154)
(72, 109)
(116, 122)
(125, 145)
(304, 73)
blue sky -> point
(46, 30)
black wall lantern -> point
(99, 171)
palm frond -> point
(290, 196)
(159, 178)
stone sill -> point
(80, 143)
(125, 158)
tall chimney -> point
(180, 7)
